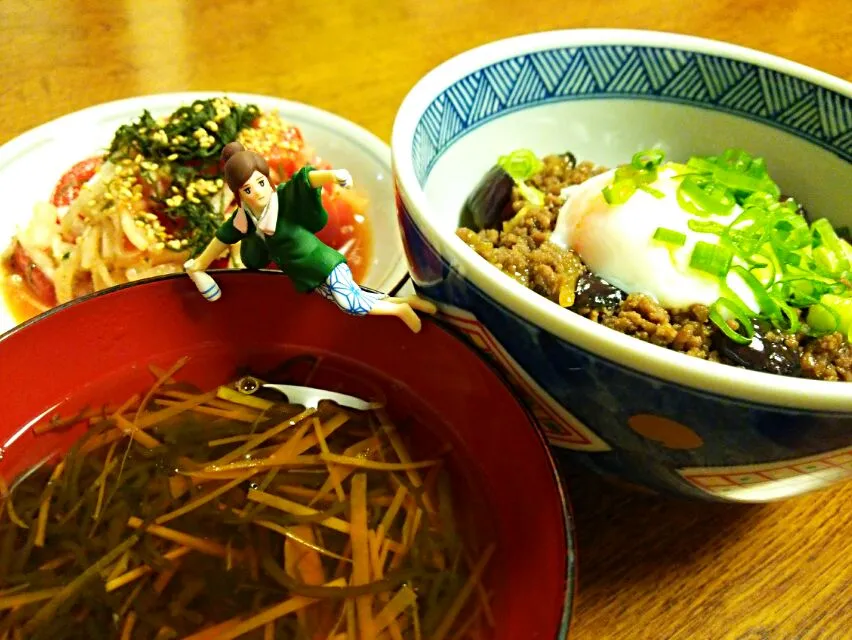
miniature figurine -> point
(282, 229)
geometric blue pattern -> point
(342, 290)
(654, 73)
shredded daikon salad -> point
(153, 199)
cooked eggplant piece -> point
(490, 203)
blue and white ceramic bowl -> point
(630, 410)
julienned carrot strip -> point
(484, 599)
(204, 499)
(199, 544)
(460, 601)
(361, 555)
(44, 507)
(213, 633)
(154, 418)
(259, 439)
(404, 456)
(109, 463)
(232, 414)
(390, 514)
(127, 628)
(342, 474)
(403, 599)
(235, 469)
(145, 439)
(138, 572)
(332, 470)
(167, 375)
(119, 567)
(376, 465)
(288, 506)
(214, 402)
(7, 498)
(149, 420)
(239, 626)
(232, 395)
(295, 446)
(299, 446)
(20, 599)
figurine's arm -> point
(321, 177)
(226, 234)
(213, 250)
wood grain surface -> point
(650, 568)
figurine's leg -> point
(401, 310)
(416, 302)
(341, 289)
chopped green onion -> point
(706, 226)
(619, 192)
(822, 318)
(735, 310)
(830, 241)
(700, 164)
(702, 197)
(736, 159)
(670, 236)
(790, 232)
(840, 308)
(792, 315)
(531, 194)
(767, 304)
(711, 258)
(659, 195)
(648, 159)
(521, 164)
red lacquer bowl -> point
(97, 350)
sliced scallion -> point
(670, 236)
(711, 258)
(737, 313)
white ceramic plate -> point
(31, 164)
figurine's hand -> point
(190, 266)
(343, 178)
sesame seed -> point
(172, 157)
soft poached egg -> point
(616, 241)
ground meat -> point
(522, 250)
(827, 358)
(687, 331)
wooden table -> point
(650, 568)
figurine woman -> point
(279, 225)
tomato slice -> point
(286, 157)
(36, 280)
(72, 180)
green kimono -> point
(293, 246)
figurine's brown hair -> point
(239, 164)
